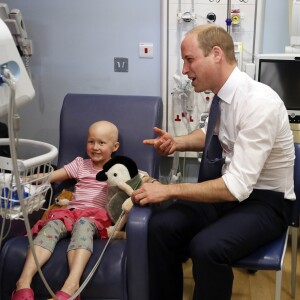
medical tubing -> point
(3, 224)
(175, 163)
(11, 83)
(5, 80)
(174, 169)
(228, 20)
(254, 32)
(83, 285)
(185, 103)
(4, 219)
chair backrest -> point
(296, 209)
(135, 117)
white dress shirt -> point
(256, 138)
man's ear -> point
(217, 53)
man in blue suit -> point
(246, 203)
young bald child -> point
(84, 218)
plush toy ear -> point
(124, 160)
(101, 176)
(129, 164)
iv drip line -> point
(228, 20)
(83, 285)
(9, 80)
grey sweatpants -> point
(82, 235)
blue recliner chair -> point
(122, 273)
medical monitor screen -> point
(283, 76)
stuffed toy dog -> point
(122, 176)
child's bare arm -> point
(57, 175)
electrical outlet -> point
(121, 64)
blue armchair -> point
(122, 273)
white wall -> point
(75, 43)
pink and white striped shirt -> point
(89, 193)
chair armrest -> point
(137, 252)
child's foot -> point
(64, 296)
(23, 294)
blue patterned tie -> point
(211, 161)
